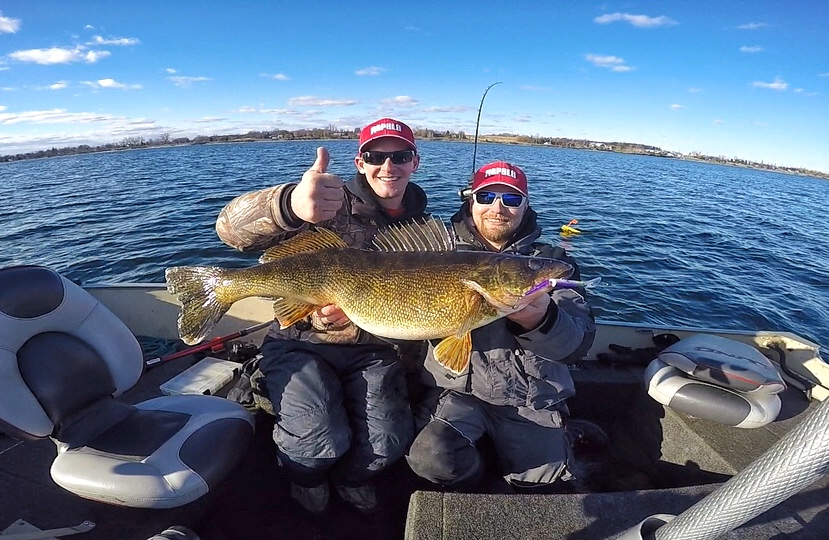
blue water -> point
(675, 242)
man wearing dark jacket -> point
(515, 387)
(338, 393)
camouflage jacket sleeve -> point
(254, 221)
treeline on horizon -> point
(331, 132)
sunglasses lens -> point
(485, 197)
(512, 200)
(401, 157)
(398, 158)
(374, 158)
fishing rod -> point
(464, 193)
(215, 342)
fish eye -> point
(535, 264)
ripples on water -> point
(675, 242)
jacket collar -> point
(414, 199)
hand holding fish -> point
(332, 316)
(532, 315)
(319, 195)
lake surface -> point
(675, 242)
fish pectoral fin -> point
(501, 306)
(288, 311)
(474, 305)
(453, 353)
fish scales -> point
(416, 295)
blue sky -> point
(747, 79)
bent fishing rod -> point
(210, 344)
(465, 193)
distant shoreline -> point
(428, 135)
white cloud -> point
(404, 101)
(778, 84)
(751, 26)
(170, 70)
(3, 108)
(677, 107)
(60, 85)
(58, 55)
(209, 120)
(112, 83)
(824, 74)
(693, 90)
(803, 92)
(452, 109)
(8, 25)
(187, 82)
(98, 40)
(93, 56)
(613, 63)
(752, 49)
(313, 101)
(372, 70)
(639, 21)
(281, 112)
(53, 116)
(276, 76)
(718, 122)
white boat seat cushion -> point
(718, 379)
(64, 359)
(724, 362)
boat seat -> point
(64, 360)
(717, 379)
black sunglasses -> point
(398, 158)
(511, 200)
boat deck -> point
(659, 461)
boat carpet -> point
(590, 516)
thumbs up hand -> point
(319, 195)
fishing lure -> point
(553, 284)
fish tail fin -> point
(201, 300)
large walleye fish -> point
(412, 285)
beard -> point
(497, 231)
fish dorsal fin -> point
(428, 234)
(306, 241)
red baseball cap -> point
(500, 172)
(386, 127)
